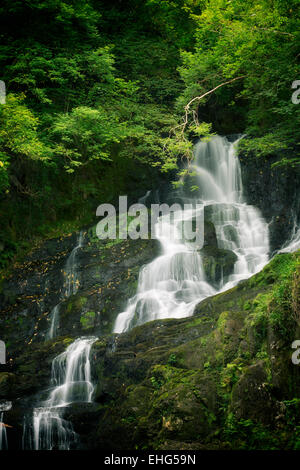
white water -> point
(71, 382)
(3, 435)
(54, 322)
(71, 271)
(4, 406)
(293, 244)
(172, 284)
(70, 378)
(71, 285)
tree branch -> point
(187, 107)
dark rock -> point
(275, 191)
(251, 397)
(210, 237)
(218, 264)
(187, 383)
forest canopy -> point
(97, 98)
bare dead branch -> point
(187, 107)
(187, 111)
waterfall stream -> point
(172, 284)
(71, 382)
(4, 406)
(3, 435)
(168, 287)
(293, 244)
(70, 287)
(71, 272)
(70, 379)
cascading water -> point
(239, 227)
(54, 324)
(72, 281)
(70, 287)
(172, 285)
(3, 435)
(4, 406)
(293, 244)
(70, 378)
(71, 381)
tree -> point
(85, 135)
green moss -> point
(212, 379)
(68, 341)
(222, 320)
(258, 319)
(248, 435)
(87, 320)
(76, 303)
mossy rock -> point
(87, 320)
(217, 263)
(251, 397)
(7, 381)
(210, 236)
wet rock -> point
(275, 191)
(251, 397)
(7, 381)
(210, 237)
(107, 277)
(176, 383)
(218, 264)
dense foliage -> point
(256, 44)
(96, 97)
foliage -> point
(85, 135)
(91, 92)
(97, 96)
(257, 42)
(278, 308)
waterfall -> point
(71, 285)
(293, 244)
(71, 382)
(173, 284)
(54, 324)
(143, 199)
(3, 435)
(72, 281)
(70, 378)
(4, 406)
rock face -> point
(107, 277)
(221, 379)
(107, 273)
(218, 263)
(202, 382)
(275, 191)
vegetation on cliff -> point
(104, 100)
(223, 379)
(96, 94)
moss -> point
(76, 303)
(245, 434)
(68, 341)
(87, 320)
(222, 320)
(217, 262)
(223, 377)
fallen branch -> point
(194, 112)
(198, 98)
